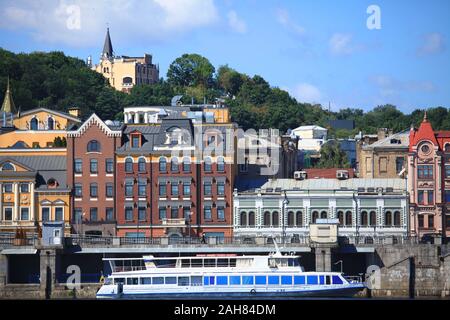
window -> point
(141, 213)
(243, 167)
(337, 280)
(430, 194)
(78, 166)
(7, 187)
(275, 219)
(399, 164)
(78, 190)
(299, 218)
(174, 165)
(77, 214)
(312, 279)
(7, 167)
(132, 281)
(186, 188)
(59, 216)
(158, 280)
(222, 280)
(146, 280)
(287, 280)
(261, 280)
(24, 187)
(420, 196)
(129, 165)
(187, 213)
(162, 213)
(273, 280)
(129, 213)
(420, 220)
(220, 164)
(247, 280)
(135, 140)
(34, 124)
(128, 188)
(142, 188)
(235, 280)
(251, 218)
(397, 218)
(94, 166)
(174, 213)
(341, 218)
(174, 189)
(141, 165)
(94, 214)
(373, 218)
(93, 190)
(447, 196)
(45, 213)
(109, 190)
(388, 218)
(162, 165)
(221, 188)
(348, 218)
(243, 219)
(425, 171)
(299, 280)
(267, 218)
(383, 164)
(8, 213)
(93, 146)
(162, 190)
(50, 123)
(109, 214)
(24, 213)
(447, 169)
(207, 189)
(207, 212)
(207, 165)
(186, 165)
(109, 165)
(364, 218)
(220, 213)
(430, 221)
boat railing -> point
(353, 279)
(128, 268)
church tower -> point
(8, 108)
(108, 52)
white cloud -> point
(48, 21)
(433, 43)
(388, 86)
(342, 44)
(306, 92)
(286, 21)
(236, 23)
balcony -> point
(174, 223)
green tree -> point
(229, 80)
(332, 156)
(191, 70)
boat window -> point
(185, 263)
(260, 280)
(321, 279)
(337, 280)
(232, 262)
(299, 280)
(146, 280)
(158, 280)
(312, 279)
(274, 280)
(286, 280)
(247, 279)
(196, 281)
(198, 263)
(210, 262)
(171, 280)
(108, 281)
(222, 280)
(222, 262)
(132, 281)
(183, 281)
(293, 262)
(235, 279)
(328, 280)
(119, 280)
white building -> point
(311, 138)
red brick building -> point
(91, 175)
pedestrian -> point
(203, 238)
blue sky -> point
(320, 51)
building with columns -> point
(367, 208)
(429, 181)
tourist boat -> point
(221, 276)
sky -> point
(346, 53)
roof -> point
(335, 184)
(55, 112)
(39, 162)
(330, 173)
(95, 120)
(342, 124)
(8, 105)
(397, 140)
(107, 47)
(309, 127)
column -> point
(3, 269)
(32, 208)
(47, 262)
(16, 202)
(136, 117)
(146, 117)
(1, 201)
(323, 259)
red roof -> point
(326, 173)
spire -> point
(425, 118)
(107, 47)
(8, 103)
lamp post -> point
(342, 265)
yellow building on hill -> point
(124, 72)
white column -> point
(125, 117)
(146, 117)
(32, 214)
(16, 201)
(136, 117)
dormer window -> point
(7, 166)
(135, 140)
(52, 183)
(93, 146)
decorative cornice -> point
(94, 120)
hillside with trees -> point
(56, 81)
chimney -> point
(381, 133)
(75, 112)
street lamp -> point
(342, 265)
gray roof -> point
(39, 162)
(107, 47)
(397, 140)
(145, 129)
(335, 184)
(57, 112)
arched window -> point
(315, 215)
(50, 123)
(162, 164)
(220, 164)
(364, 218)
(141, 165)
(299, 218)
(52, 183)
(447, 147)
(93, 146)
(186, 164)
(243, 217)
(373, 218)
(388, 218)
(267, 218)
(251, 219)
(341, 218)
(348, 218)
(8, 166)
(397, 219)
(207, 165)
(129, 165)
(275, 221)
(127, 80)
(34, 124)
(323, 215)
(291, 217)
(368, 240)
(174, 165)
